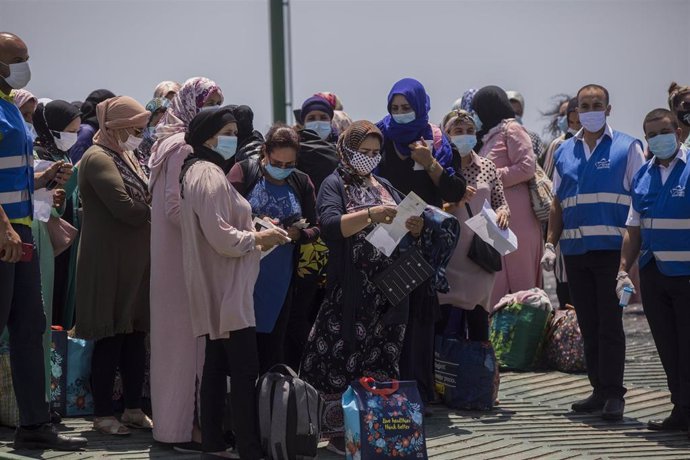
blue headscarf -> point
(403, 135)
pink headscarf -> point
(164, 87)
(117, 113)
(22, 96)
(185, 105)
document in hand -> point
(43, 198)
(484, 225)
(260, 225)
(386, 237)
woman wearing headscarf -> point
(507, 144)
(166, 89)
(318, 159)
(221, 260)
(433, 173)
(89, 123)
(176, 354)
(249, 141)
(469, 300)
(156, 107)
(56, 126)
(278, 191)
(341, 120)
(26, 103)
(357, 331)
(113, 262)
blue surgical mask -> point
(477, 122)
(518, 118)
(278, 173)
(562, 123)
(465, 143)
(663, 146)
(322, 128)
(404, 118)
(227, 146)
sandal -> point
(137, 419)
(111, 426)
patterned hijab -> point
(54, 116)
(165, 87)
(185, 105)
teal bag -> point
(517, 333)
(79, 395)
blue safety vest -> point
(594, 202)
(16, 163)
(664, 217)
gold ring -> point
(388, 219)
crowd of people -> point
(153, 231)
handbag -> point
(540, 194)
(482, 253)
(404, 275)
(61, 234)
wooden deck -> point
(533, 420)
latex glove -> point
(548, 260)
(623, 281)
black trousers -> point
(271, 346)
(466, 324)
(417, 356)
(21, 310)
(126, 352)
(238, 357)
(307, 298)
(666, 302)
(592, 280)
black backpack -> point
(290, 413)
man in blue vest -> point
(21, 306)
(659, 232)
(592, 181)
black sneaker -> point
(46, 437)
(592, 404)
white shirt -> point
(682, 155)
(635, 158)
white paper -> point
(42, 165)
(259, 224)
(484, 225)
(386, 237)
(43, 204)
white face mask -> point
(593, 121)
(64, 141)
(131, 143)
(19, 76)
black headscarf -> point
(245, 123)
(54, 116)
(204, 126)
(492, 107)
(88, 108)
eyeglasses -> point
(281, 165)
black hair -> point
(280, 135)
(658, 114)
(597, 87)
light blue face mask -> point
(31, 131)
(518, 118)
(663, 146)
(465, 143)
(562, 123)
(477, 121)
(322, 128)
(278, 173)
(227, 146)
(404, 118)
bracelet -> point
(369, 219)
(621, 275)
(549, 246)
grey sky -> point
(358, 49)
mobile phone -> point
(27, 252)
(53, 182)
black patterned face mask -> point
(684, 117)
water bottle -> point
(625, 296)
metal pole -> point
(277, 23)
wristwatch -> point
(432, 167)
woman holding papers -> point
(418, 157)
(507, 144)
(277, 191)
(221, 259)
(357, 332)
(470, 285)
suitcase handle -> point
(367, 381)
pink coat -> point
(509, 146)
(177, 356)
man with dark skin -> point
(21, 306)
